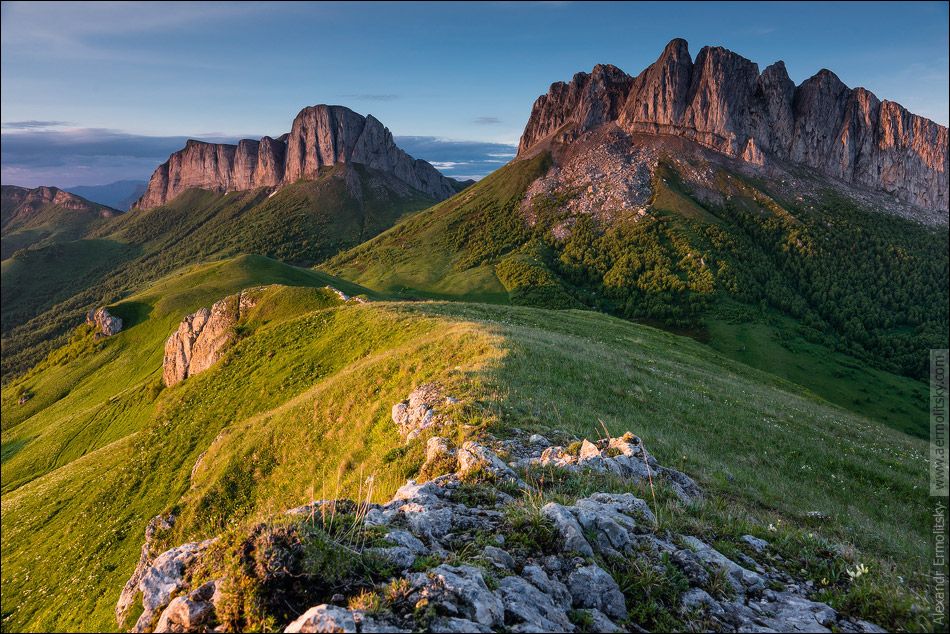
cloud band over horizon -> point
(38, 153)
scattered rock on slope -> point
(624, 456)
(418, 412)
(104, 322)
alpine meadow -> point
(654, 352)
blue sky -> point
(85, 75)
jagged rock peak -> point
(721, 101)
(320, 135)
(586, 102)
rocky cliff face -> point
(721, 101)
(105, 323)
(320, 136)
(586, 102)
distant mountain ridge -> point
(20, 204)
(721, 101)
(320, 136)
(32, 217)
(118, 195)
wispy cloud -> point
(458, 159)
(371, 97)
(77, 30)
(486, 121)
(32, 125)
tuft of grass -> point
(582, 620)
(421, 564)
(652, 592)
(443, 464)
(528, 532)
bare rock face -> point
(202, 337)
(657, 98)
(104, 322)
(721, 101)
(775, 121)
(320, 136)
(587, 101)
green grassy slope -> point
(449, 251)
(27, 224)
(46, 290)
(841, 300)
(86, 385)
(773, 343)
(299, 409)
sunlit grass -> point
(299, 409)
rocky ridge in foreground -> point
(476, 548)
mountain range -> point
(118, 195)
(722, 101)
(320, 136)
(357, 184)
(663, 371)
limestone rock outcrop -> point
(203, 336)
(320, 136)
(442, 578)
(624, 456)
(127, 597)
(721, 101)
(105, 323)
(419, 412)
